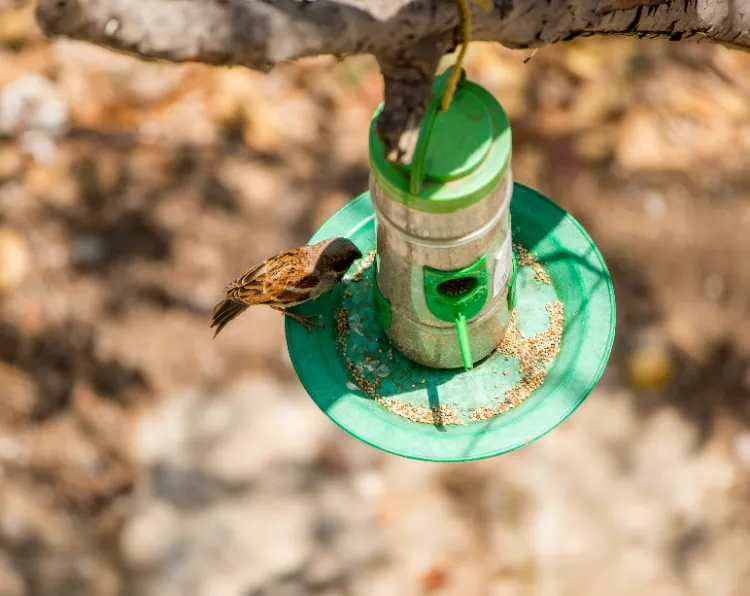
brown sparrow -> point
(288, 279)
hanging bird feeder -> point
(481, 314)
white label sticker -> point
(503, 266)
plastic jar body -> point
(409, 240)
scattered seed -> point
(526, 259)
(363, 266)
(533, 354)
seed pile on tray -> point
(526, 259)
(442, 415)
(363, 266)
(532, 353)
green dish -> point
(579, 279)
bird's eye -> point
(341, 263)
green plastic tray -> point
(579, 279)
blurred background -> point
(140, 457)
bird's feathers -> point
(225, 311)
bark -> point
(407, 36)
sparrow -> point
(288, 279)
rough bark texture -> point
(407, 36)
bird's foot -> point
(303, 320)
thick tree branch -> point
(407, 36)
(408, 76)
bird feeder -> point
(481, 314)
(444, 258)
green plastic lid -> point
(333, 367)
(460, 157)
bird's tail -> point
(225, 311)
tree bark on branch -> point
(408, 37)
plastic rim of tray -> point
(579, 278)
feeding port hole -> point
(457, 287)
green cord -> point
(463, 341)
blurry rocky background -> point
(140, 457)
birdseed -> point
(442, 415)
(533, 355)
(526, 259)
(363, 266)
(342, 328)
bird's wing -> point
(290, 279)
(297, 293)
(248, 287)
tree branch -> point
(407, 36)
(408, 77)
